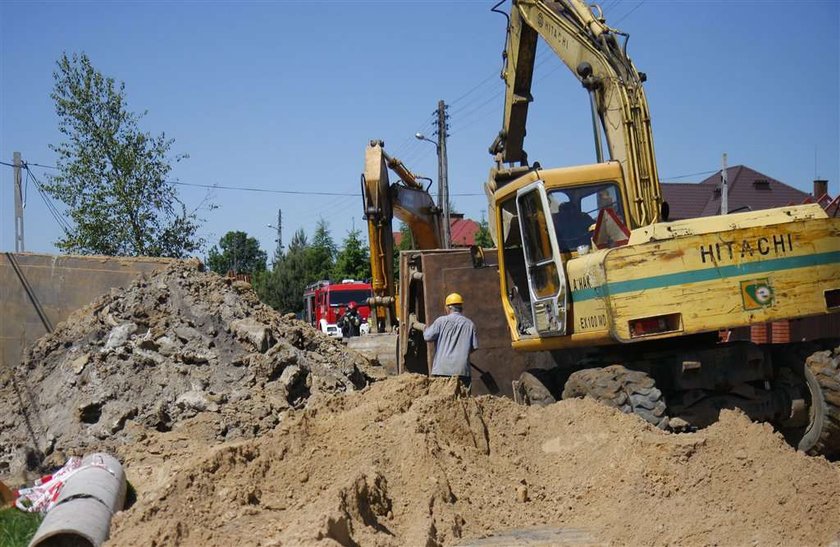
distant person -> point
(350, 323)
(455, 339)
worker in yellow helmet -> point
(455, 338)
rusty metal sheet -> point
(446, 271)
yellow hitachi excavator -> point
(630, 304)
(627, 305)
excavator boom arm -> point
(591, 50)
(409, 202)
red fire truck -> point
(324, 302)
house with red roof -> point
(462, 231)
(748, 190)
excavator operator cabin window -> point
(574, 211)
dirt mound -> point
(237, 426)
(410, 461)
(172, 346)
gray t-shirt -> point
(456, 338)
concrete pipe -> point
(82, 514)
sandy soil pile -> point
(179, 343)
(410, 461)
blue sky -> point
(284, 96)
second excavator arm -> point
(409, 202)
(591, 50)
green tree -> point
(482, 237)
(406, 239)
(353, 262)
(321, 253)
(239, 253)
(112, 177)
(283, 287)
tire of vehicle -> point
(631, 391)
(822, 376)
(533, 384)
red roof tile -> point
(748, 190)
(685, 199)
(462, 232)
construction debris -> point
(176, 344)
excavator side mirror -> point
(665, 211)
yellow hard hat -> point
(454, 299)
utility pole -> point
(279, 251)
(18, 189)
(443, 175)
(724, 189)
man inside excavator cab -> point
(570, 223)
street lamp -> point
(422, 137)
(443, 187)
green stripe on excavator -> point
(708, 274)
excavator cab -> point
(545, 219)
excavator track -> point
(822, 376)
(630, 391)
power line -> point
(626, 15)
(474, 109)
(692, 174)
(410, 142)
(56, 214)
(477, 86)
(425, 152)
(419, 152)
(477, 109)
(39, 165)
(608, 6)
(264, 190)
(28, 163)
